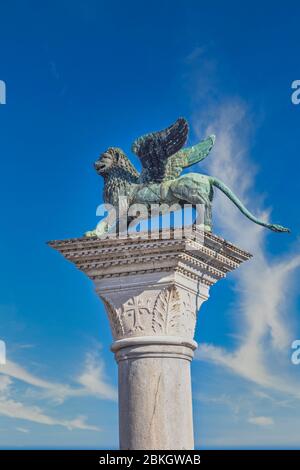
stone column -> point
(152, 290)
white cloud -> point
(12, 369)
(13, 408)
(93, 378)
(4, 384)
(261, 420)
(23, 430)
(92, 383)
(264, 285)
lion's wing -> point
(155, 149)
(188, 157)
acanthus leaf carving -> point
(166, 312)
(115, 318)
(190, 315)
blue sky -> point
(82, 76)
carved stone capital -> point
(153, 287)
(165, 305)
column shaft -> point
(155, 397)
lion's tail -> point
(220, 185)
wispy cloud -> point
(15, 409)
(265, 285)
(93, 378)
(90, 382)
(261, 420)
(255, 370)
(23, 430)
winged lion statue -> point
(163, 158)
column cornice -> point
(212, 257)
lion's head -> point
(112, 160)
